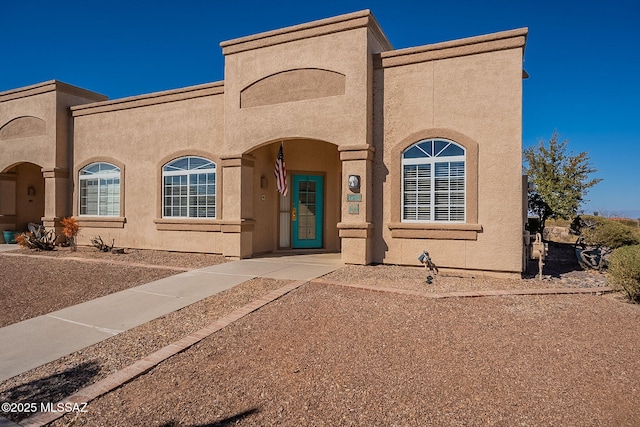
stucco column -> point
(356, 227)
(56, 206)
(7, 201)
(237, 206)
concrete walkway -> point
(34, 342)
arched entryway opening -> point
(306, 217)
(22, 196)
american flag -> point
(281, 173)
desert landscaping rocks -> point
(61, 378)
(35, 283)
(326, 356)
(333, 355)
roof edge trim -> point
(172, 95)
(349, 21)
(510, 39)
(50, 86)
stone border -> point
(471, 294)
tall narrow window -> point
(189, 188)
(99, 190)
(433, 182)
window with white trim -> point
(433, 182)
(189, 188)
(99, 190)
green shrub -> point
(624, 271)
(609, 234)
(628, 222)
(558, 222)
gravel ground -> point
(413, 278)
(31, 285)
(139, 256)
(326, 355)
(63, 377)
(561, 270)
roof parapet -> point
(146, 99)
(50, 86)
(467, 46)
(360, 19)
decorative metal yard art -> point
(425, 259)
(103, 247)
(589, 257)
(38, 238)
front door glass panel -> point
(307, 211)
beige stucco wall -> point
(140, 135)
(27, 135)
(473, 97)
(39, 149)
(340, 119)
(341, 47)
(49, 102)
(342, 101)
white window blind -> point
(189, 188)
(433, 182)
(99, 190)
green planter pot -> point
(10, 236)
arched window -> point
(99, 190)
(433, 182)
(189, 188)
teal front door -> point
(306, 212)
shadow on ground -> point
(560, 262)
(50, 389)
(561, 259)
(222, 423)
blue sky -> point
(583, 58)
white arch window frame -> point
(434, 182)
(99, 190)
(189, 188)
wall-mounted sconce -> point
(263, 182)
(31, 191)
(354, 183)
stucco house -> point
(430, 139)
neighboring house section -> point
(388, 152)
(36, 149)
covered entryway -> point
(22, 196)
(307, 217)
